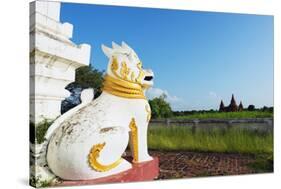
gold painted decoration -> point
(141, 73)
(133, 76)
(124, 71)
(140, 76)
(114, 65)
(122, 88)
(124, 85)
(148, 110)
(93, 159)
(134, 138)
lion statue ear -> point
(124, 45)
(107, 51)
(116, 46)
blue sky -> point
(198, 58)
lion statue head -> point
(124, 64)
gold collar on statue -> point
(122, 88)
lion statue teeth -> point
(88, 142)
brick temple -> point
(232, 107)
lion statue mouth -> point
(148, 78)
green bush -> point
(35, 182)
(88, 77)
(263, 163)
(160, 108)
(38, 131)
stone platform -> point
(139, 172)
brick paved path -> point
(195, 164)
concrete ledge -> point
(139, 172)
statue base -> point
(144, 171)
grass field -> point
(227, 115)
(233, 140)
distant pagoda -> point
(232, 106)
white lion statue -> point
(88, 141)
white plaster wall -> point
(53, 59)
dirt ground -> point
(197, 164)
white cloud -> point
(213, 94)
(173, 100)
(154, 92)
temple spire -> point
(222, 107)
(233, 106)
(240, 107)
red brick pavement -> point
(195, 164)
